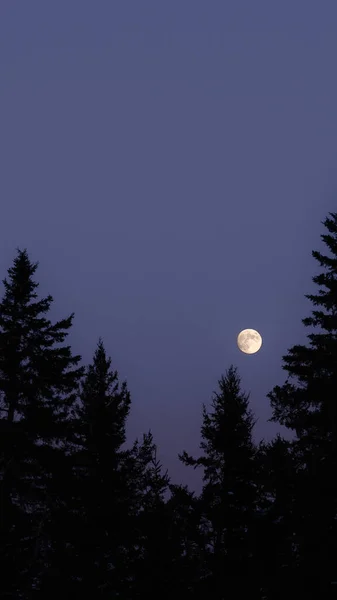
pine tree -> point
(152, 564)
(167, 558)
(228, 498)
(38, 383)
(306, 404)
(99, 499)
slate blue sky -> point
(169, 164)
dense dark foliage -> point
(228, 500)
(39, 379)
(82, 514)
(307, 404)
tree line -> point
(83, 515)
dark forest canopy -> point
(83, 515)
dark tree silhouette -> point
(97, 520)
(306, 404)
(228, 499)
(38, 383)
(82, 514)
(152, 558)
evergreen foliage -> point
(306, 404)
(38, 384)
(82, 513)
(229, 495)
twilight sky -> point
(169, 163)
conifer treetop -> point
(312, 367)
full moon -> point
(249, 341)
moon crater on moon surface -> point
(249, 341)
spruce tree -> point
(38, 383)
(228, 498)
(167, 555)
(307, 405)
(99, 507)
(152, 565)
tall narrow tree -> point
(307, 405)
(99, 521)
(38, 382)
(229, 491)
(152, 568)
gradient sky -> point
(169, 164)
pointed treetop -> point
(301, 406)
(299, 361)
(20, 284)
(106, 401)
(227, 428)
